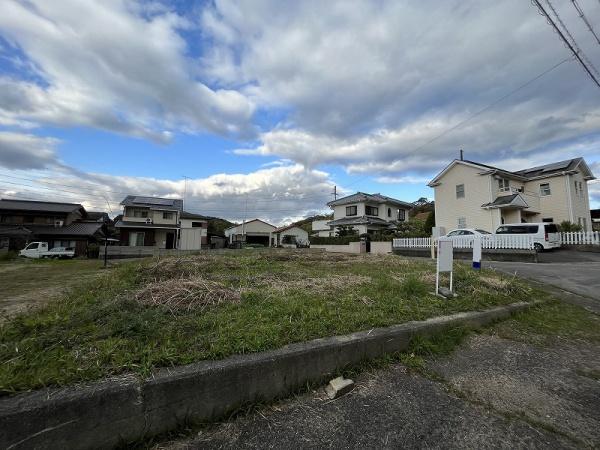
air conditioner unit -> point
(58, 223)
(148, 220)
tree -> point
(344, 230)
(430, 222)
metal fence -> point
(488, 241)
(580, 238)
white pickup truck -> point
(38, 250)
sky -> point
(259, 108)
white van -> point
(545, 235)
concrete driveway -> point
(570, 271)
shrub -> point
(567, 226)
(8, 256)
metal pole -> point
(105, 251)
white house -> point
(289, 236)
(193, 232)
(367, 213)
(150, 221)
(474, 195)
(321, 228)
(255, 231)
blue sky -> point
(265, 106)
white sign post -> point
(445, 260)
(477, 252)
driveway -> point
(570, 271)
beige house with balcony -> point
(366, 213)
(474, 195)
(150, 221)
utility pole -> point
(184, 189)
(334, 193)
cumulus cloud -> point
(113, 65)
(26, 151)
(370, 85)
(277, 194)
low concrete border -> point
(124, 409)
(487, 254)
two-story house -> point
(474, 195)
(367, 213)
(59, 224)
(150, 221)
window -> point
(136, 239)
(579, 188)
(196, 224)
(460, 191)
(517, 229)
(389, 212)
(466, 233)
(401, 215)
(371, 210)
(482, 231)
(552, 228)
(503, 185)
(462, 222)
(32, 246)
(582, 223)
(548, 219)
(143, 213)
(351, 210)
(167, 215)
(545, 189)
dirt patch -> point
(187, 294)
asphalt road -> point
(576, 272)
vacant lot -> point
(27, 283)
(172, 311)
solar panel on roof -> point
(556, 166)
(154, 201)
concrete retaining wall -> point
(124, 409)
(352, 247)
(381, 248)
(466, 253)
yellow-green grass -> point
(135, 318)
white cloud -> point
(112, 65)
(26, 151)
(278, 194)
(369, 84)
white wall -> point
(479, 189)
(191, 238)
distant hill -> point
(305, 224)
(217, 226)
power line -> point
(481, 111)
(564, 39)
(585, 20)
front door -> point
(170, 240)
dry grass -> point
(186, 294)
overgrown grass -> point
(100, 329)
(544, 324)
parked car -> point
(466, 232)
(546, 235)
(38, 250)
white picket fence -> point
(412, 242)
(580, 238)
(488, 241)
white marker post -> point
(445, 260)
(477, 252)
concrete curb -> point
(487, 254)
(124, 409)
